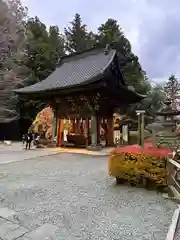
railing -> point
(173, 178)
(173, 181)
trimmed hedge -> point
(133, 136)
(138, 168)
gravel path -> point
(75, 193)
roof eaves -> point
(23, 91)
(109, 63)
(138, 94)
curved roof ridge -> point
(87, 67)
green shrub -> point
(133, 136)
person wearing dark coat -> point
(23, 138)
(28, 139)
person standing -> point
(102, 132)
(29, 138)
(23, 139)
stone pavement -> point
(103, 152)
(16, 152)
(18, 226)
(75, 193)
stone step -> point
(46, 231)
(14, 225)
(20, 226)
(21, 219)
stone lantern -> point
(164, 128)
(154, 128)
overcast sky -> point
(152, 26)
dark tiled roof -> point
(75, 70)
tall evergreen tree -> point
(110, 32)
(77, 37)
(44, 50)
(56, 40)
(42, 55)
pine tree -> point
(111, 33)
(56, 41)
(77, 37)
(43, 51)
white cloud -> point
(152, 26)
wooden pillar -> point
(95, 146)
(98, 122)
(93, 130)
(88, 130)
(54, 124)
(73, 125)
(60, 139)
(110, 133)
(81, 127)
(77, 126)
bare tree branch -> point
(12, 49)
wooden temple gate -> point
(82, 127)
(89, 86)
(86, 117)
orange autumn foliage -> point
(43, 122)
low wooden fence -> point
(173, 178)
